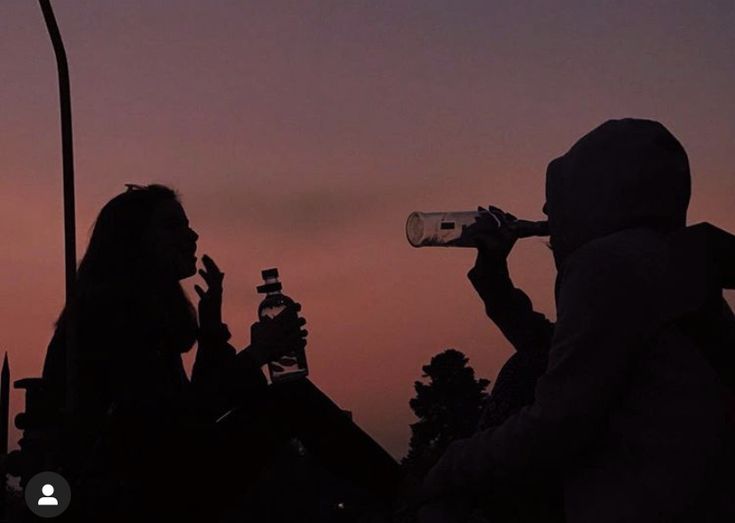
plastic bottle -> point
(444, 229)
(293, 364)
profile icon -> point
(47, 494)
(48, 498)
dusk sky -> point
(302, 134)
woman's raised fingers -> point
(210, 265)
(207, 278)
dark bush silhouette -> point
(448, 407)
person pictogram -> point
(48, 498)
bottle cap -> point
(269, 273)
(269, 287)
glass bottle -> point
(445, 229)
(291, 365)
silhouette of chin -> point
(187, 270)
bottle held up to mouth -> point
(291, 365)
(447, 229)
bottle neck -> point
(270, 281)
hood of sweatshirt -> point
(624, 174)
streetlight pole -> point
(70, 254)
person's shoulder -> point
(634, 251)
(630, 261)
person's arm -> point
(228, 377)
(511, 310)
(508, 307)
(221, 377)
(604, 315)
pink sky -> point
(302, 134)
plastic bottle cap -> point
(269, 273)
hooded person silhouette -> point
(634, 411)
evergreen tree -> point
(448, 407)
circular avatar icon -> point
(47, 494)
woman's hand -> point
(272, 338)
(210, 300)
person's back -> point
(664, 450)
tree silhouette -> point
(448, 407)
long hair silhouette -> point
(120, 279)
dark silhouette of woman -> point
(145, 441)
